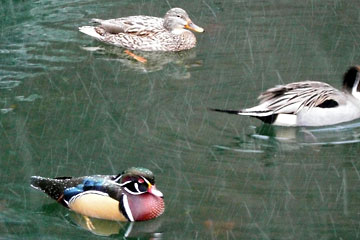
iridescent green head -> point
(136, 172)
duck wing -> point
(294, 97)
(103, 184)
(137, 25)
(57, 188)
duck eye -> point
(136, 187)
(143, 187)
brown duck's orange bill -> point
(194, 27)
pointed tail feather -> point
(38, 182)
(225, 111)
(246, 112)
(265, 116)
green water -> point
(71, 106)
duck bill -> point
(190, 25)
(153, 190)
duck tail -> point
(253, 112)
(267, 116)
(96, 20)
(90, 30)
(237, 112)
(54, 187)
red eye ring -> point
(140, 180)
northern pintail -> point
(308, 103)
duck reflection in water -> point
(344, 133)
(269, 139)
(101, 227)
(174, 64)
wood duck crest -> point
(129, 196)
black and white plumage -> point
(308, 103)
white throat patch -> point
(179, 31)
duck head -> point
(351, 81)
(142, 201)
(176, 20)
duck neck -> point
(356, 88)
(145, 206)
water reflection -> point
(10, 103)
(268, 137)
(100, 227)
(219, 228)
(174, 64)
(8, 84)
(338, 134)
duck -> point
(147, 33)
(129, 196)
(307, 103)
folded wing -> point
(294, 97)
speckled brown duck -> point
(147, 33)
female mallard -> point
(308, 103)
(147, 33)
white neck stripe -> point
(127, 208)
(354, 91)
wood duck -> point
(147, 33)
(308, 103)
(129, 196)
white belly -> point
(328, 116)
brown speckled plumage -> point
(147, 33)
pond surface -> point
(72, 106)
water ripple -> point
(9, 84)
(30, 98)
